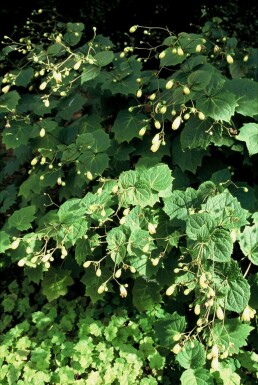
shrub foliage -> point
(129, 204)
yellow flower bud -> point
(169, 84)
(170, 290)
(89, 175)
(34, 161)
(180, 52)
(177, 348)
(176, 123)
(77, 65)
(133, 28)
(123, 291)
(42, 86)
(220, 313)
(230, 59)
(42, 132)
(162, 55)
(151, 228)
(155, 146)
(186, 90)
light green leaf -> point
(9, 101)
(222, 246)
(74, 231)
(132, 190)
(249, 243)
(196, 377)
(249, 135)
(4, 241)
(71, 211)
(232, 333)
(21, 219)
(156, 361)
(192, 356)
(55, 283)
(228, 377)
(178, 204)
(90, 72)
(146, 294)
(166, 329)
(104, 58)
(200, 226)
(238, 294)
(138, 240)
(116, 241)
(226, 210)
(127, 126)
(160, 178)
(246, 91)
(219, 106)
(249, 361)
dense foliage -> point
(129, 204)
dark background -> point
(113, 16)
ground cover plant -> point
(129, 226)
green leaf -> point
(69, 105)
(249, 361)
(192, 356)
(157, 361)
(71, 233)
(200, 226)
(71, 211)
(228, 377)
(195, 135)
(9, 101)
(92, 283)
(104, 58)
(179, 203)
(160, 178)
(132, 190)
(55, 283)
(89, 72)
(95, 163)
(246, 91)
(249, 243)
(226, 210)
(138, 240)
(220, 106)
(21, 219)
(24, 77)
(16, 135)
(187, 159)
(171, 59)
(166, 329)
(116, 241)
(238, 294)
(4, 241)
(196, 377)
(232, 333)
(249, 134)
(146, 294)
(198, 80)
(127, 126)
